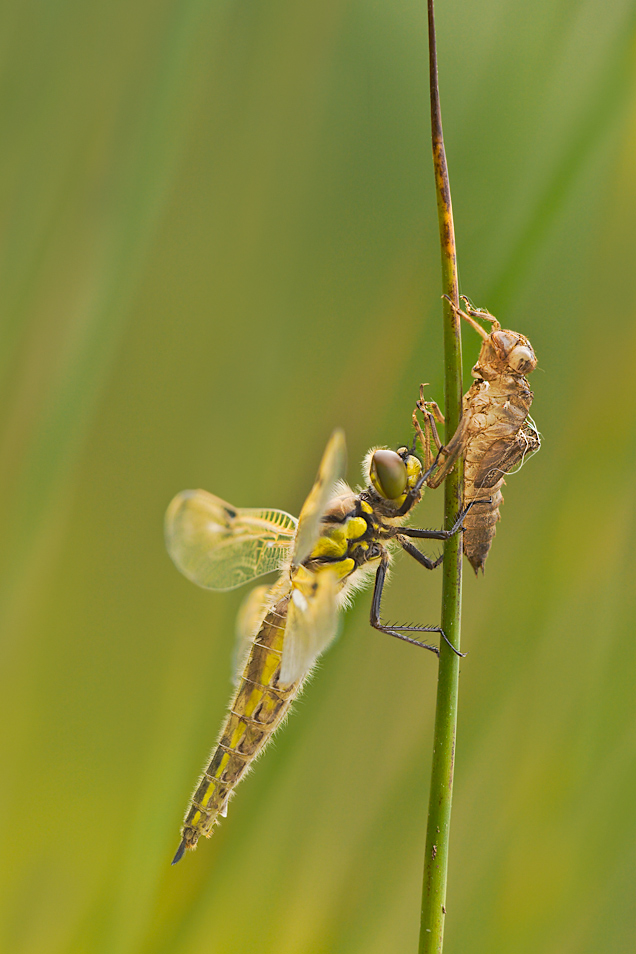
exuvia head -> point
(392, 473)
(515, 350)
(502, 351)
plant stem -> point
(439, 811)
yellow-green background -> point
(219, 242)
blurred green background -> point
(219, 242)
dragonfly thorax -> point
(357, 527)
(347, 539)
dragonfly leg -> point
(415, 494)
(449, 454)
(477, 312)
(473, 313)
(419, 556)
(400, 631)
(440, 534)
(431, 413)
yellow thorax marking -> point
(334, 541)
(356, 527)
(343, 568)
(332, 544)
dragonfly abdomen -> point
(259, 706)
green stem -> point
(439, 811)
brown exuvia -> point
(495, 433)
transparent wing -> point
(332, 468)
(312, 622)
(248, 622)
(221, 547)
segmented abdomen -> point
(258, 707)
(489, 457)
(480, 523)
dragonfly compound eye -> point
(388, 474)
(522, 359)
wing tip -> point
(338, 440)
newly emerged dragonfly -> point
(339, 541)
(496, 432)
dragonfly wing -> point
(505, 455)
(312, 622)
(221, 547)
(248, 622)
(332, 468)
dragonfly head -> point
(393, 473)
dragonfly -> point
(495, 434)
(341, 539)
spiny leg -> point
(439, 534)
(449, 452)
(414, 495)
(431, 413)
(397, 630)
(412, 550)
